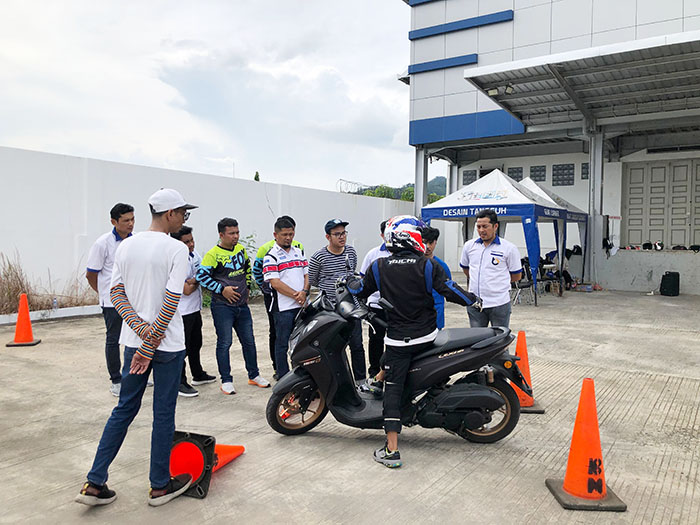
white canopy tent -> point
(511, 201)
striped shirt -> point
(325, 268)
(290, 267)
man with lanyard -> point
(286, 270)
(149, 273)
(225, 271)
(190, 307)
(267, 291)
(99, 275)
(377, 332)
(491, 264)
(406, 279)
(325, 267)
(430, 239)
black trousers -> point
(396, 363)
(376, 342)
(273, 334)
(193, 344)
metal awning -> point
(628, 82)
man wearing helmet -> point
(405, 279)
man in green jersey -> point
(226, 272)
(267, 290)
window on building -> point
(538, 173)
(584, 171)
(516, 174)
(468, 176)
(563, 175)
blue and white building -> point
(599, 100)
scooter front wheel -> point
(503, 420)
(295, 411)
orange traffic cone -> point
(583, 487)
(225, 454)
(23, 328)
(528, 405)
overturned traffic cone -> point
(583, 487)
(199, 456)
(23, 328)
(528, 405)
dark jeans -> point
(271, 321)
(193, 344)
(113, 323)
(226, 318)
(166, 367)
(357, 352)
(396, 362)
(497, 316)
(284, 324)
(376, 342)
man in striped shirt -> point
(325, 267)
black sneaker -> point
(387, 458)
(372, 386)
(186, 390)
(275, 376)
(176, 486)
(93, 495)
(203, 379)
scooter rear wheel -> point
(504, 419)
(285, 414)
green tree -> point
(384, 191)
(432, 197)
(257, 177)
(368, 193)
(408, 194)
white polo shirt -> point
(375, 253)
(490, 268)
(290, 268)
(101, 260)
(192, 303)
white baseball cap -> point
(168, 199)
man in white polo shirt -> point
(286, 269)
(491, 264)
(99, 275)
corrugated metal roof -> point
(642, 77)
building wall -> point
(55, 206)
(446, 107)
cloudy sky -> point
(303, 91)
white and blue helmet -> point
(404, 232)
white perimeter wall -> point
(55, 206)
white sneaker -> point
(227, 388)
(259, 381)
(115, 389)
(149, 382)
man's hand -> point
(139, 364)
(230, 294)
(154, 340)
(477, 302)
(300, 296)
(192, 281)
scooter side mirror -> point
(386, 305)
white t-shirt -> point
(290, 268)
(490, 268)
(192, 303)
(375, 253)
(100, 261)
(147, 263)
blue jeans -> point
(167, 368)
(498, 316)
(284, 324)
(226, 318)
(113, 324)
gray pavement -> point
(642, 352)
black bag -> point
(670, 284)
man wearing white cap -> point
(149, 273)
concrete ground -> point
(642, 352)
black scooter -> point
(459, 384)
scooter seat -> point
(455, 338)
